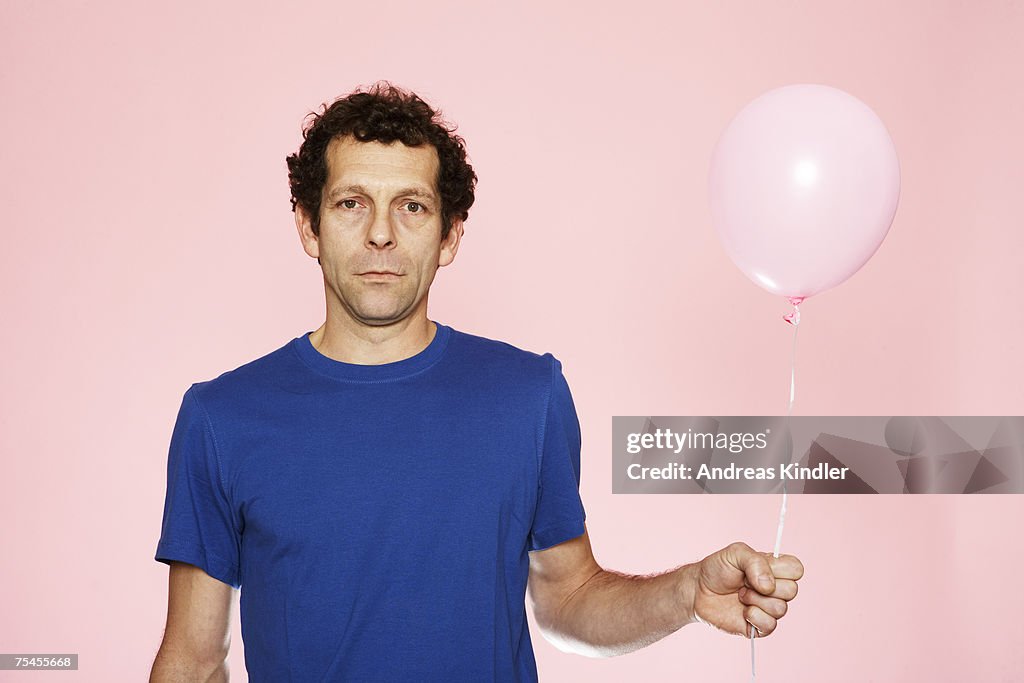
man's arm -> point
(198, 636)
(583, 608)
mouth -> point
(380, 274)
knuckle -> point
(736, 546)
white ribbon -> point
(794, 319)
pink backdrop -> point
(149, 244)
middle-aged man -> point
(387, 489)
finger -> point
(785, 566)
(784, 589)
(754, 566)
(763, 623)
(775, 607)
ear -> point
(450, 244)
(303, 223)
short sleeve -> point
(197, 523)
(560, 513)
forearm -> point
(614, 613)
(172, 668)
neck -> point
(351, 341)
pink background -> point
(149, 243)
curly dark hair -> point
(382, 113)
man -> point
(386, 489)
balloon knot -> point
(794, 317)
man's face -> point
(380, 212)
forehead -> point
(379, 165)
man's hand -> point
(737, 586)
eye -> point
(348, 203)
(418, 207)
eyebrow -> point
(359, 189)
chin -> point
(380, 314)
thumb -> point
(754, 566)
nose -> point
(380, 233)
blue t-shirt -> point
(378, 517)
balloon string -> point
(793, 319)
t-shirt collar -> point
(384, 372)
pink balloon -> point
(804, 185)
